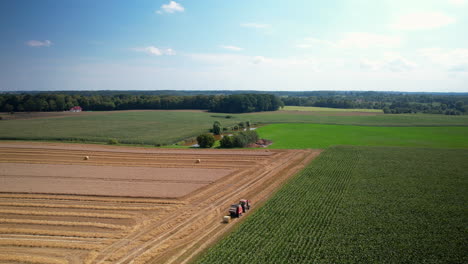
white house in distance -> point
(76, 109)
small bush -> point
(228, 116)
(227, 142)
(113, 141)
(205, 140)
(216, 128)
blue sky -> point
(380, 45)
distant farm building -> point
(76, 109)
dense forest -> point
(237, 103)
(234, 101)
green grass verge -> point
(169, 127)
(300, 136)
(360, 205)
(326, 109)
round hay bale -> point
(226, 219)
(198, 161)
(86, 158)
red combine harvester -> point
(236, 210)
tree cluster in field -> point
(205, 140)
(217, 128)
(391, 103)
(239, 103)
(240, 140)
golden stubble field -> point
(127, 204)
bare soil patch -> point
(111, 209)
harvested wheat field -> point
(127, 205)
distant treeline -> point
(238, 103)
(391, 103)
(235, 101)
(369, 94)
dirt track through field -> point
(127, 205)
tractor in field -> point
(245, 204)
(236, 210)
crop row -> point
(60, 223)
(81, 206)
(77, 214)
(58, 197)
(63, 233)
(294, 219)
(20, 258)
(49, 244)
(360, 205)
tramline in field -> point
(127, 205)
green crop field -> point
(326, 109)
(145, 127)
(297, 136)
(360, 205)
(168, 127)
(349, 118)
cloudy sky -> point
(381, 45)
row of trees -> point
(332, 102)
(217, 128)
(391, 103)
(452, 108)
(239, 103)
(234, 103)
(246, 103)
(240, 140)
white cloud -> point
(255, 25)
(459, 68)
(397, 63)
(365, 40)
(254, 63)
(450, 59)
(171, 8)
(231, 48)
(37, 43)
(393, 62)
(260, 59)
(457, 2)
(219, 59)
(366, 64)
(313, 43)
(360, 40)
(422, 21)
(155, 51)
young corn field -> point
(360, 205)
